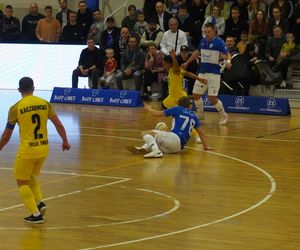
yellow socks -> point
(36, 189)
(28, 199)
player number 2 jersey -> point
(31, 113)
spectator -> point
(72, 32)
(286, 50)
(242, 5)
(241, 46)
(173, 7)
(224, 8)
(186, 23)
(258, 26)
(97, 27)
(90, 64)
(217, 20)
(9, 26)
(124, 39)
(231, 45)
(149, 8)
(48, 29)
(273, 51)
(278, 20)
(192, 67)
(254, 6)
(197, 8)
(110, 68)
(152, 34)
(155, 71)
(141, 25)
(132, 62)
(29, 23)
(251, 57)
(110, 37)
(130, 20)
(84, 17)
(63, 15)
(173, 39)
(285, 7)
(234, 25)
(296, 22)
(162, 17)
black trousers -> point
(94, 74)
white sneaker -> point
(197, 140)
(224, 119)
(156, 153)
(136, 150)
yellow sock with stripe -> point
(28, 199)
(36, 189)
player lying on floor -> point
(159, 142)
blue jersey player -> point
(159, 142)
(211, 49)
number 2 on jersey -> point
(35, 118)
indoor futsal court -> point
(245, 194)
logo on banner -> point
(206, 101)
(123, 94)
(239, 101)
(271, 103)
(95, 92)
(67, 91)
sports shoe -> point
(136, 150)
(223, 120)
(34, 219)
(197, 140)
(154, 154)
(42, 208)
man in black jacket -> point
(29, 23)
(90, 64)
(63, 15)
(162, 17)
(9, 26)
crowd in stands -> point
(256, 29)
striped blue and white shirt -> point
(210, 55)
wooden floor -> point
(243, 195)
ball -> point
(161, 126)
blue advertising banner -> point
(103, 97)
(252, 104)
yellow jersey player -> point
(31, 114)
(175, 80)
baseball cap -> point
(152, 21)
(110, 19)
(184, 48)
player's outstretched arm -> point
(203, 139)
(6, 135)
(194, 55)
(176, 67)
(61, 131)
(158, 113)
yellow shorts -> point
(171, 101)
(24, 168)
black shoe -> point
(34, 219)
(42, 208)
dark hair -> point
(64, 0)
(96, 10)
(168, 59)
(26, 84)
(131, 6)
(209, 25)
(184, 101)
(182, 7)
(48, 7)
(151, 44)
(8, 7)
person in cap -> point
(152, 34)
